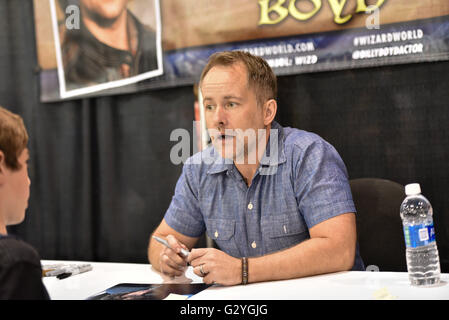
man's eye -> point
(209, 107)
(231, 105)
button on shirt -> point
(301, 181)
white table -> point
(351, 285)
(103, 276)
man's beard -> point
(240, 148)
(99, 19)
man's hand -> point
(215, 266)
(171, 261)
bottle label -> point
(419, 235)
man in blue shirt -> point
(276, 200)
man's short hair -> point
(260, 76)
(13, 137)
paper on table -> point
(188, 277)
(50, 270)
(174, 296)
(191, 275)
(383, 294)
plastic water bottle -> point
(423, 263)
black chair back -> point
(379, 225)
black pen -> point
(63, 275)
(184, 252)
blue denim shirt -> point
(304, 182)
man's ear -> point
(269, 111)
(2, 168)
(2, 161)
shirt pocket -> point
(283, 231)
(222, 231)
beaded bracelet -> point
(244, 270)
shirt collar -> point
(220, 164)
(277, 155)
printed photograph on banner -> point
(90, 48)
(104, 44)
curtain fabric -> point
(100, 169)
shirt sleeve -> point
(184, 213)
(321, 184)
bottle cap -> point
(412, 188)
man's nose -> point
(219, 117)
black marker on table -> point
(184, 252)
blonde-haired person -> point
(20, 268)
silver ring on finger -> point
(203, 273)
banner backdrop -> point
(294, 36)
